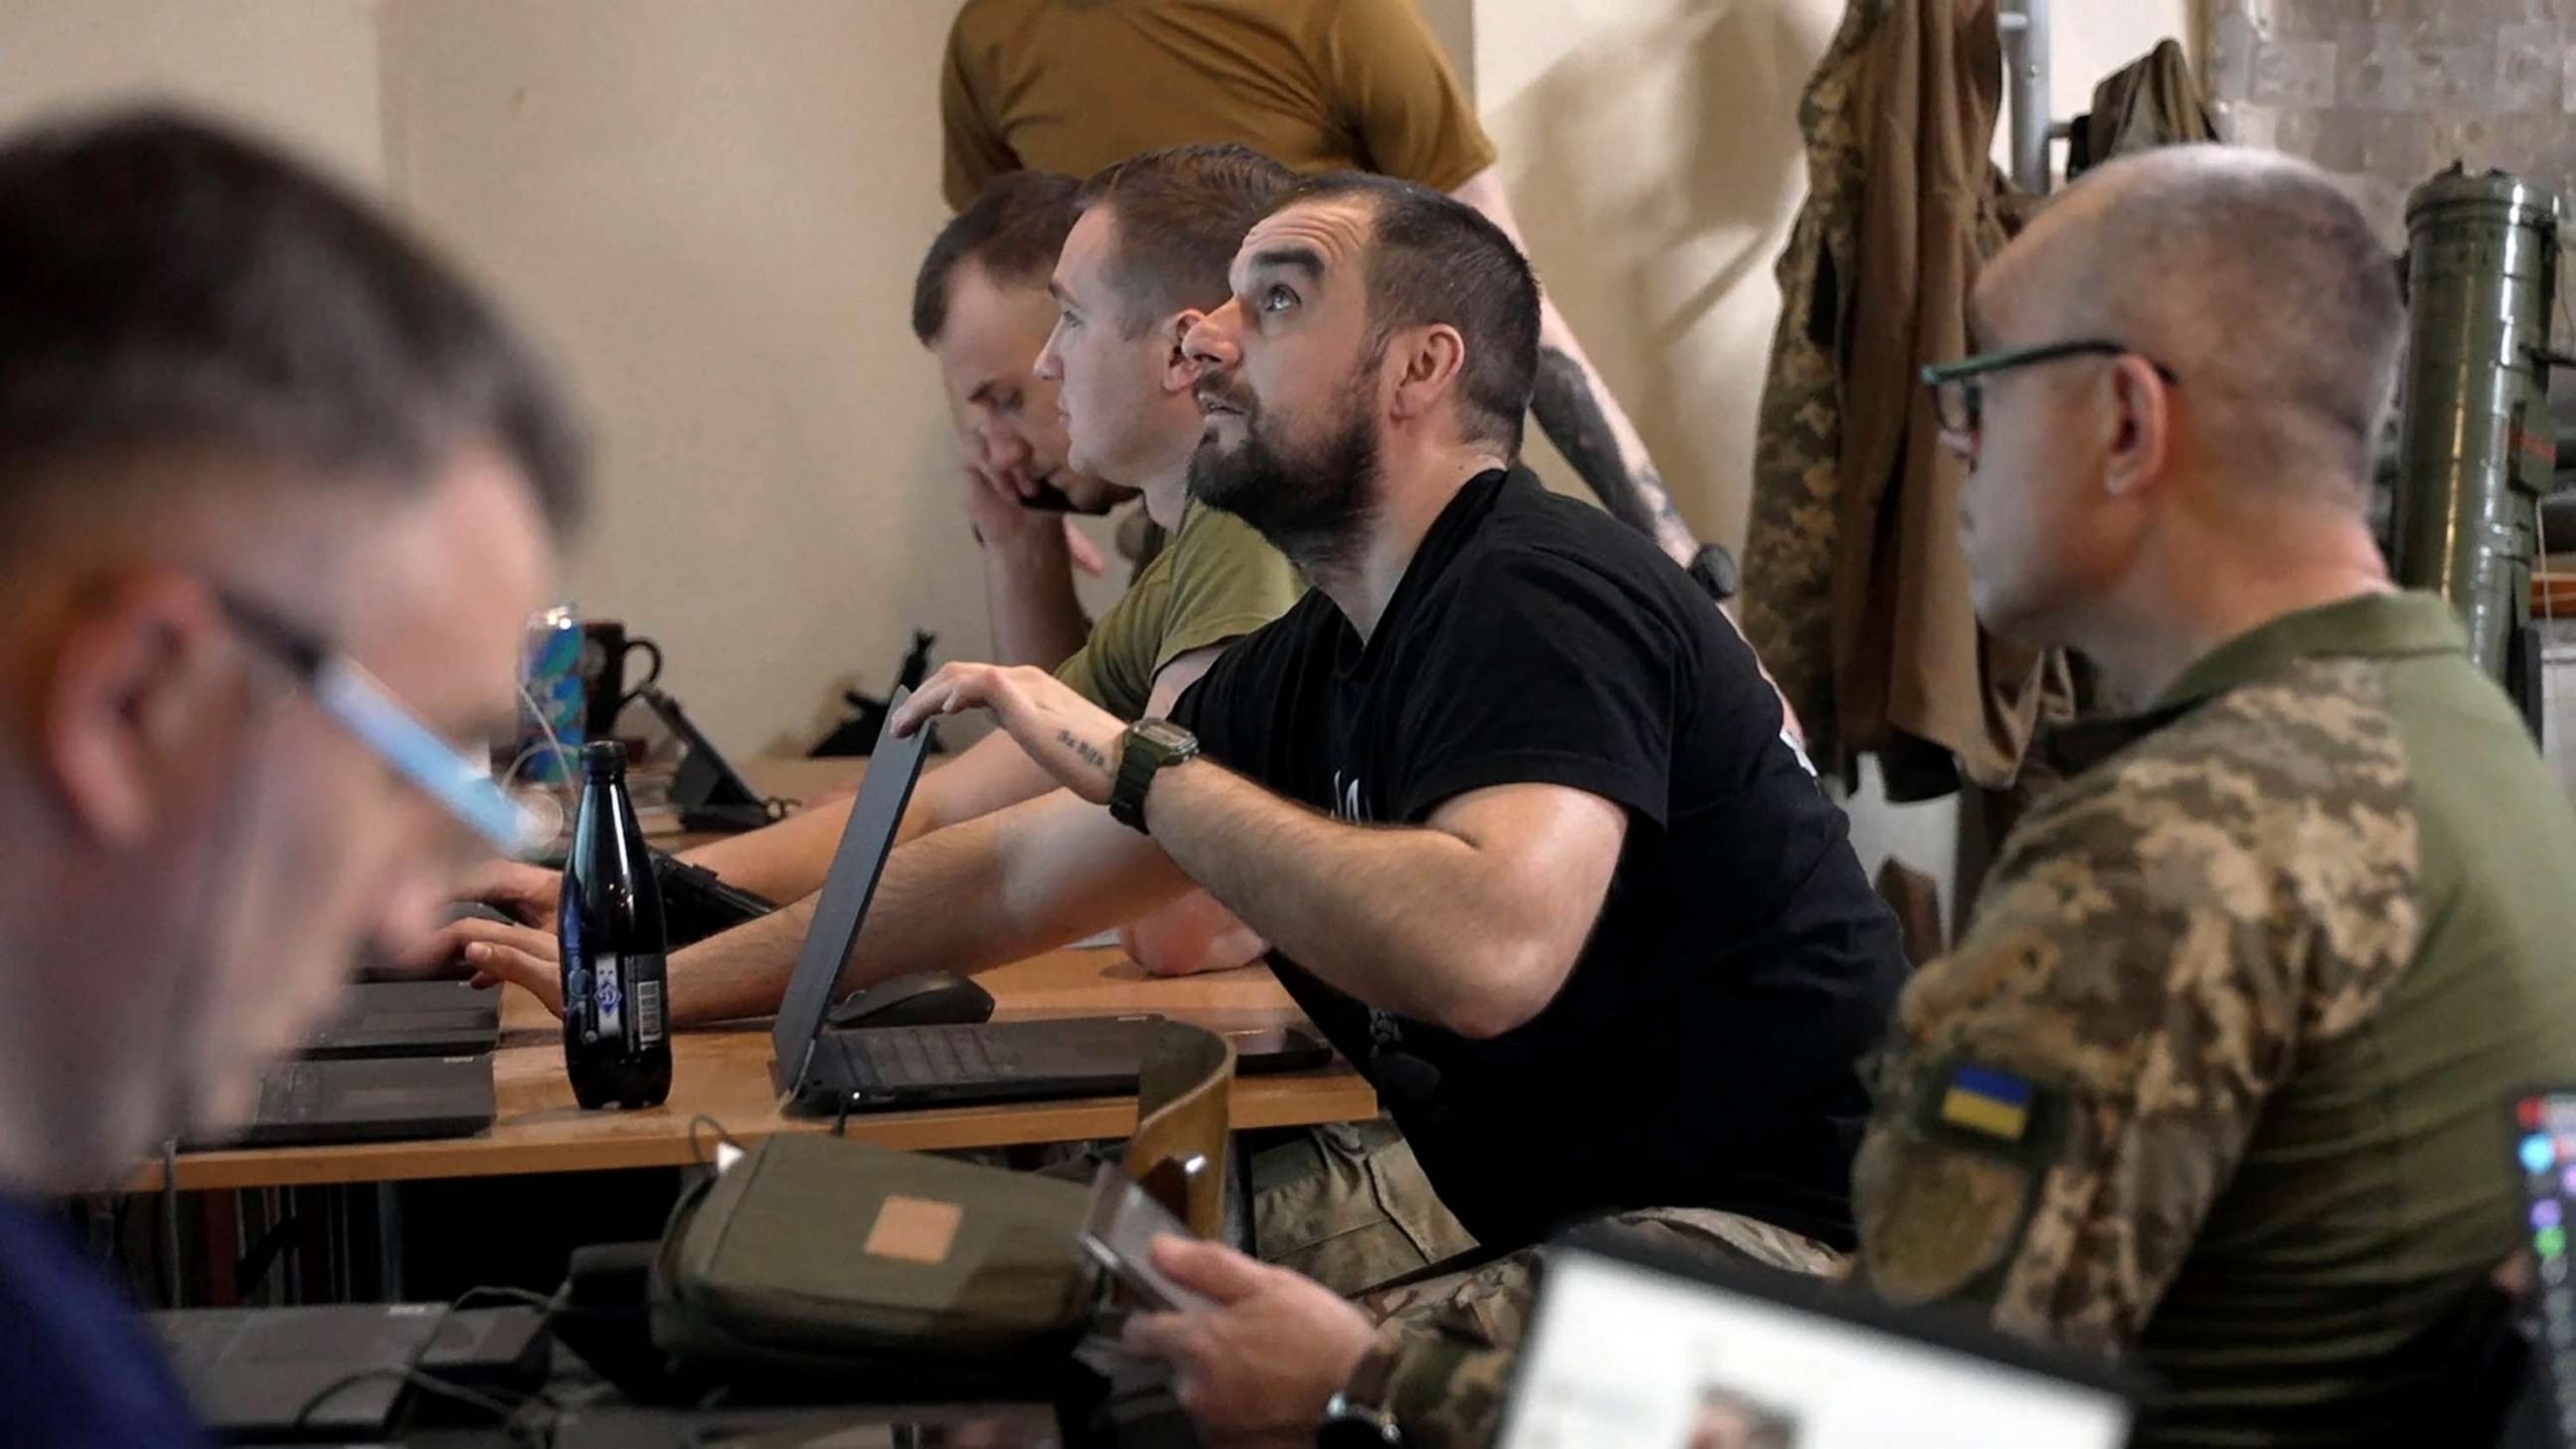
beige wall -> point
(303, 71)
(713, 213)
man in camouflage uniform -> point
(2216, 1077)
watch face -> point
(1162, 733)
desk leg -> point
(389, 1242)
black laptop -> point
(309, 1104)
(892, 1068)
(410, 1019)
(274, 1375)
(1634, 1347)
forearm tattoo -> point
(1568, 409)
(1090, 753)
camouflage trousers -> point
(1491, 1304)
(1453, 1342)
(1345, 1204)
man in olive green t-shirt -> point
(2217, 1076)
(1319, 85)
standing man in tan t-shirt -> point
(1322, 85)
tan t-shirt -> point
(1074, 85)
(1216, 580)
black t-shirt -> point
(1705, 1050)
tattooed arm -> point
(1472, 920)
(1576, 411)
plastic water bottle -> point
(616, 981)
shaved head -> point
(2251, 275)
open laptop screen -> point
(1623, 1355)
(2544, 1149)
(843, 902)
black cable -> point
(841, 1122)
(412, 1374)
(722, 1137)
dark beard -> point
(1313, 506)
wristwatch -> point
(1150, 745)
(1356, 1418)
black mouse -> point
(925, 998)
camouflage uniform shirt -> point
(2217, 1077)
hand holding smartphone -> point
(1119, 1233)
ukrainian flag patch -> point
(1987, 1102)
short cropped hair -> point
(1013, 230)
(167, 283)
(1435, 259)
(2266, 286)
(1181, 213)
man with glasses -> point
(2215, 1078)
(277, 495)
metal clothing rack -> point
(2025, 35)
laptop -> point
(308, 1104)
(267, 1375)
(894, 1068)
(987, 1426)
(410, 1019)
(2544, 1151)
(1633, 1347)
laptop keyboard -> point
(894, 1058)
(290, 1094)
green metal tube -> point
(2476, 446)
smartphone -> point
(1280, 1049)
(1119, 1233)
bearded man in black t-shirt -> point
(1506, 794)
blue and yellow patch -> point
(1988, 1102)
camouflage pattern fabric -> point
(1348, 1206)
(2066, 1095)
(1453, 1339)
(1790, 538)
(2179, 941)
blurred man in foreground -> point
(278, 494)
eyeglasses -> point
(361, 704)
(1959, 398)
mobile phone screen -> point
(1120, 1231)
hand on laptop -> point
(1071, 738)
(497, 951)
(1261, 1368)
(530, 894)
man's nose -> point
(1210, 340)
(1050, 367)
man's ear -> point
(2140, 426)
(1180, 370)
(140, 690)
(1426, 363)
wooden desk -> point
(725, 1075)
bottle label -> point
(607, 1000)
(648, 1009)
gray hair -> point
(2261, 284)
